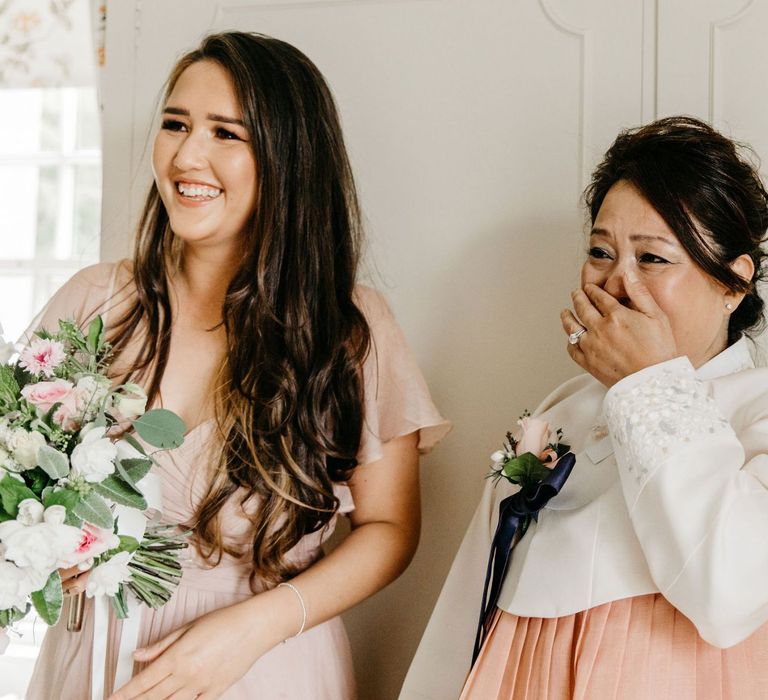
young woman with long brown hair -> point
(240, 312)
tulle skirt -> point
(634, 649)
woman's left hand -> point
(201, 659)
(619, 340)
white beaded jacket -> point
(669, 494)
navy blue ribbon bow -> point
(515, 515)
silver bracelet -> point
(303, 606)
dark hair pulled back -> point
(706, 189)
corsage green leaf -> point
(525, 469)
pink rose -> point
(44, 395)
(535, 439)
(67, 416)
(43, 356)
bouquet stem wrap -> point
(133, 523)
(515, 515)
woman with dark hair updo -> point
(240, 311)
(646, 576)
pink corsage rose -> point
(535, 438)
(43, 356)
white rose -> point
(93, 458)
(40, 546)
(16, 584)
(5, 431)
(9, 463)
(24, 446)
(30, 512)
(55, 515)
(106, 578)
(130, 403)
(90, 392)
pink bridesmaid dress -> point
(317, 665)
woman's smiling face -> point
(202, 158)
(629, 234)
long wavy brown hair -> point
(289, 395)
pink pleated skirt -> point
(633, 649)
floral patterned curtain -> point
(50, 43)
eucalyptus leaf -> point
(161, 428)
(116, 490)
(54, 463)
(49, 600)
(94, 509)
(13, 492)
(133, 442)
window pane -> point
(18, 213)
(50, 126)
(15, 304)
(85, 239)
(48, 210)
(88, 127)
(20, 117)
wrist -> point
(277, 612)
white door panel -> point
(472, 126)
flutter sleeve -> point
(397, 400)
(86, 294)
(697, 491)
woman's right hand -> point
(73, 580)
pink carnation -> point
(44, 395)
(94, 541)
(43, 356)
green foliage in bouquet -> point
(62, 455)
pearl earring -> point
(729, 306)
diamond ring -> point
(574, 337)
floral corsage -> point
(539, 462)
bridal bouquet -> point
(539, 463)
(71, 478)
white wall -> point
(472, 127)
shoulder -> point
(578, 388)
(744, 393)
(372, 303)
(104, 276)
(89, 292)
